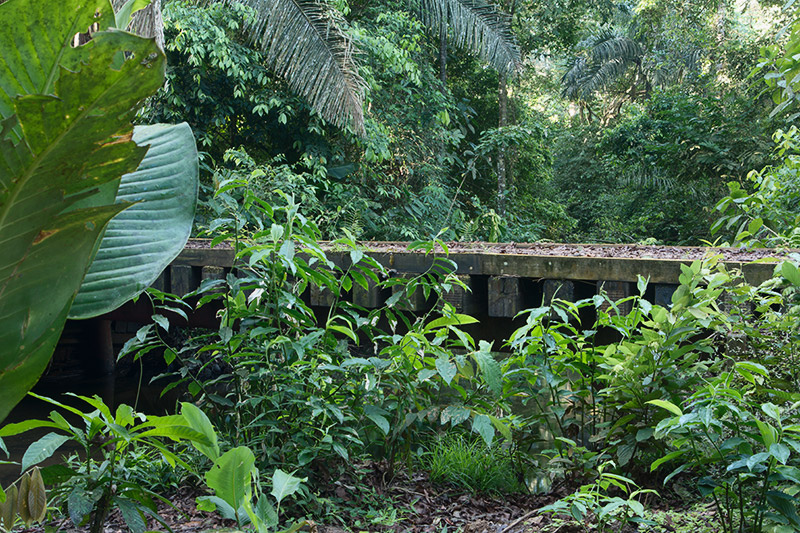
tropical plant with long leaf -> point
(66, 140)
(305, 43)
(477, 26)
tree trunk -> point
(501, 155)
(147, 22)
(443, 55)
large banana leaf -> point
(142, 240)
(36, 40)
(74, 140)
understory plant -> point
(595, 509)
(743, 448)
(89, 485)
(306, 386)
(588, 395)
(466, 462)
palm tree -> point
(610, 59)
(477, 26)
(304, 43)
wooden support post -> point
(563, 289)
(103, 362)
(369, 298)
(161, 282)
(416, 302)
(181, 280)
(463, 299)
(212, 273)
(320, 296)
(616, 290)
(663, 294)
(504, 296)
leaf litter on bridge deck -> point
(627, 251)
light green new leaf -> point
(669, 406)
(140, 242)
(231, 476)
(198, 420)
(284, 484)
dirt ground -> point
(421, 506)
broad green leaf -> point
(791, 273)
(769, 435)
(178, 433)
(446, 368)
(455, 320)
(131, 514)
(669, 457)
(502, 427)
(482, 425)
(21, 427)
(33, 68)
(490, 369)
(780, 452)
(772, 411)
(75, 141)
(785, 505)
(376, 414)
(284, 484)
(142, 241)
(198, 420)
(42, 449)
(79, 504)
(231, 476)
(669, 406)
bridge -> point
(503, 279)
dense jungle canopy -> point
(606, 121)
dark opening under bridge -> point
(503, 279)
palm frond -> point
(609, 45)
(608, 57)
(303, 43)
(477, 26)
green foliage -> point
(766, 217)
(56, 151)
(469, 464)
(140, 242)
(745, 459)
(90, 486)
(295, 384)
(659, 168)
(595, 510)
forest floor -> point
(411, 503)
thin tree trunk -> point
(501, 155)
(443, 55)
(147, 22)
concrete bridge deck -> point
(506, 278)
(503, 280)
